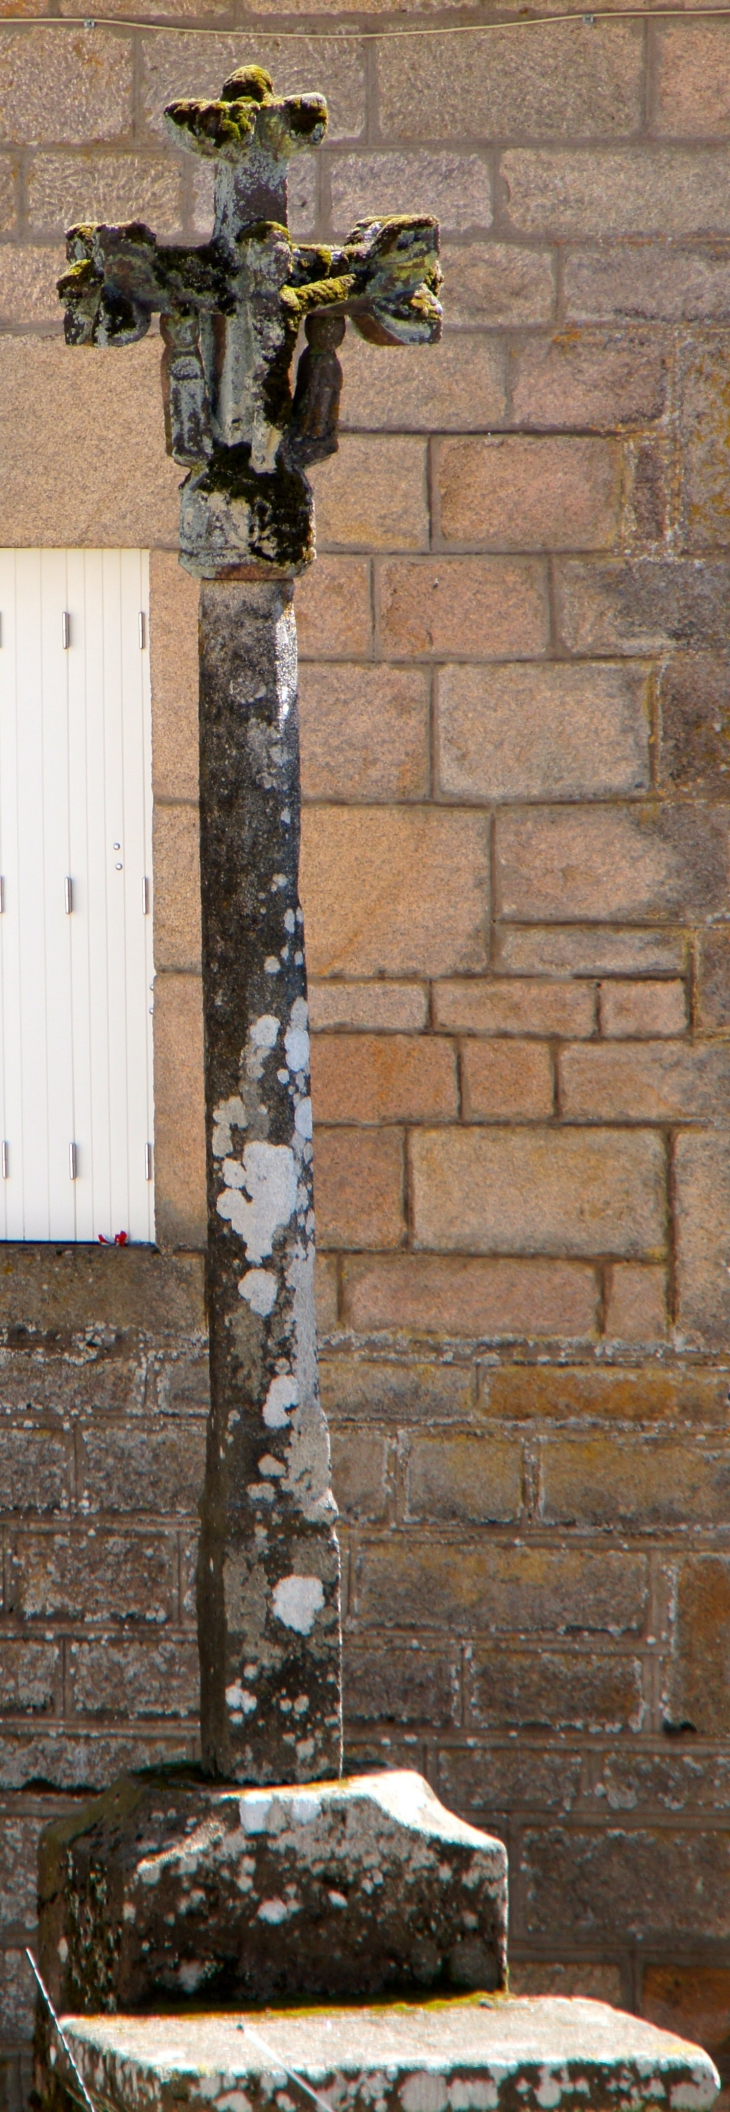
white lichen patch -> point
(297, 1601)
(259, 1288)
(263, 1199)
(229, 1115)
(282, 1396)
(240, 1701)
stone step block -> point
(476, 2055)
(168, 1887)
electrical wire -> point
(367, 36)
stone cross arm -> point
(231, 311)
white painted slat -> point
(75, 782)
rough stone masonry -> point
(268, 1571)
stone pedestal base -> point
(480, 2054)
(169, 1888)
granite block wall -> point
(516, 750)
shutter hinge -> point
(72, 1162)
(148, 1162)
(142, 630)
(68, 894)
(65, 630)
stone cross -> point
(230, 313)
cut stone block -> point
(480, 2054)
(167, 1887)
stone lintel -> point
(479, 2054)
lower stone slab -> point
(478, 2054)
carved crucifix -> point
(231, 311)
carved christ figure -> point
(231, 311)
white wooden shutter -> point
(75, 807)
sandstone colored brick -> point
(607, 379)
(692, 82)
(491, 1299)
(698, 1682)
(364, 732)
(497, 282)
(174, 677)
(633, 1482)
(636, 1303)
(360, 1475)
(542, 732)
(457, 384)
(610, 863)
(113, 1576)
(553, 1691)
(512, 1005)
(359, 1188)
(177, 887)
(553, 83)
(584, 1884)
(387, 891)
(694, 700)
(636, 1008)
(18, 1865)
(467, 1588)
(647, 606)
(128, 1467)
(703, 377)
(175, 66)
(653, 1081)
(65, 188)
(712, 997)
(702, 1206)
(28, 281)
(456, 188)
(487, 608)
(326, 1292)
(333, 608)
(373, 492)
(17, 2003)
(639, 190)
(358, 1390)
(32, 1677)
(36, 1467)
(382, 1007)
(529, 494)
(684, 1998)
(538, 1191)
(107, 482)
(630, 1393)
(596, 950)
(180, 1206)
(505, 1775)
(91, 71)
(156, 1679)
(595, 1983)
(506, 1078)
(471, 1480)
(410, 1685)
(383, 1078)
(643, 281)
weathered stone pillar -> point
(231, 311)
(268, 1576)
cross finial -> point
(230, 316)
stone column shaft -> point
(268, 1574)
